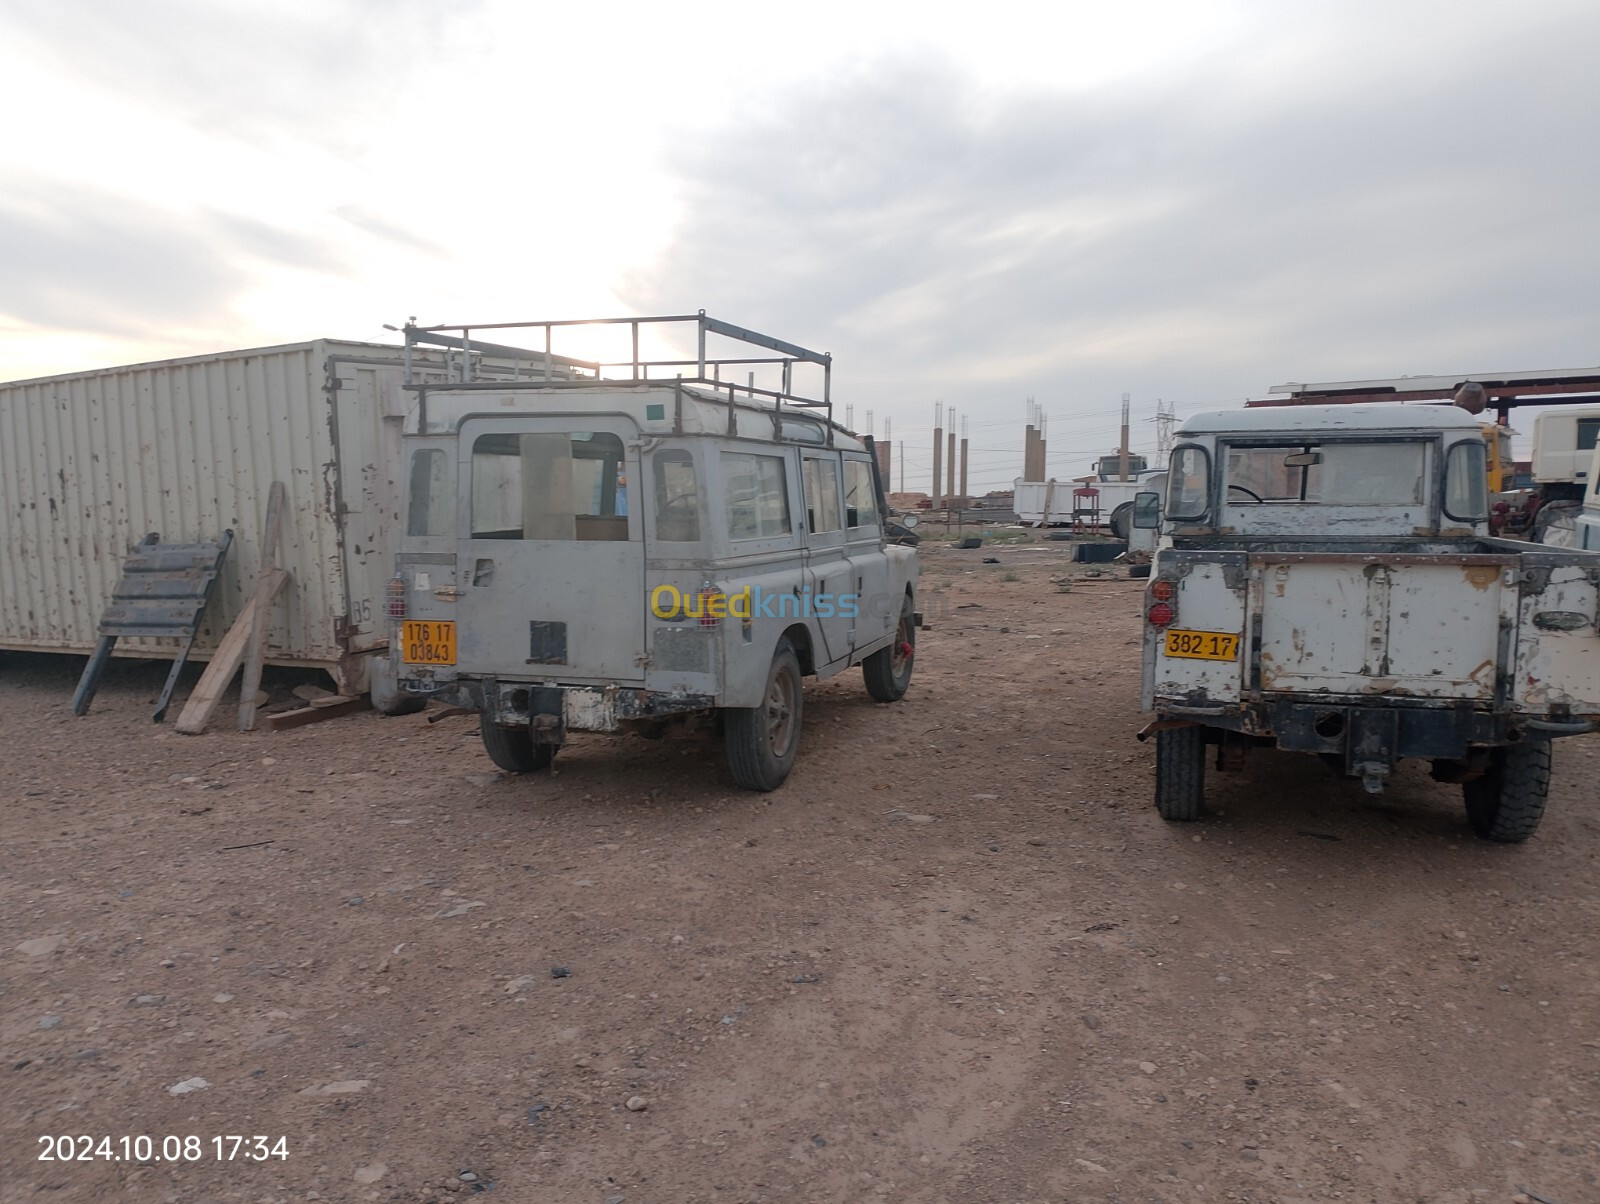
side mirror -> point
(1147, 510)
(909, 520)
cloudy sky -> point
(1188, 200)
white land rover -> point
(583, 552)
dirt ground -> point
(957, 958)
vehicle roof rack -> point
(546, 369)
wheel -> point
(888, 670)
(761, 742)
(1507, 802)
(512, 748)
(1121, 520)
(1180, 772)
(1139, 570)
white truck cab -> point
(597, 554)
(1323, 582)
(1587, 529)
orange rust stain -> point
(1480, 576)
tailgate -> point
(1424, 626)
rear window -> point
(860, 495)
(756, 491)
(561, 486)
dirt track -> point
(957, 957)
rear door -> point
(552, 549)
(426, 562)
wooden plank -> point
(257, 650)
(202, 703)
(316, 714)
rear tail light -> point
(395, 600)
(1163, 592)
(708, 616)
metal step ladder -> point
(163, 593)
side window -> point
(677, 497)
(1188, 483)
(756, 491)
(429, 509)
(549, 486)
(1466, 491)
(860, 495)
(822, 495)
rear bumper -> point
(1375, 732)
(564, 708)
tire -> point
(387, 696)
(1138, 570)
(512, 748)
(888, 670)
(1121, 520)
(1506, 804)
(1180, 773)
(761, 742)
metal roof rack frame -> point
(550, 370)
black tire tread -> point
(878, 669)
(1180, 773)
(512, 748)
(1506, 804)
(744, 738)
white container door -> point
(552, 550)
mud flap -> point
(1370, 747)
(547, 716)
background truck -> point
(1324, 584)
(1564, 444)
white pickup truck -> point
(1323, 583)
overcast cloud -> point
(1384, 210)
(1189, 201)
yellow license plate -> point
(1202, 645)
(429, 643)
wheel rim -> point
(781, 691)
(900, 653)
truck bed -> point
(1493, 623)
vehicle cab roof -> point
(1330, 419)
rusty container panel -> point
(89, 463)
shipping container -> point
(188, 448)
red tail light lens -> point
(1163, 590)
(1160, 614)
(709, 598)
(395, 601)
